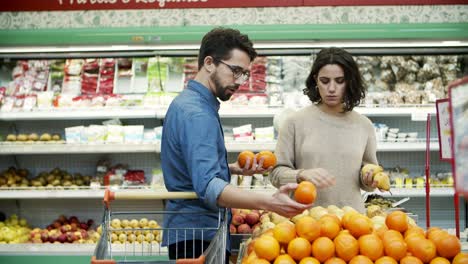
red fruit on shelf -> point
(244, 229)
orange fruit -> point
(436, 234)
(413, 240)
(425, 250)
(269, 158)
(284, 259)
(381, 231)
(359, 225)
(371, 246)
(391, 235)
(346, 246)
(330, 217)
(243, 156)
(460, 258)
(308, 228)
(284, 232)
(432, 229)
(410, 260)
(329, 228)
(299, 248)
(310, 260)
(397, 220)
(334, 260)
(346, 217)
(360, 259)
(414, 230)
(305, 193)
(323, 248)
(439, 260)
(396, 249)
(262, 261)
(386, 260)
(448, 246)
(267, 247)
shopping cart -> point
(143, 251)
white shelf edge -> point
(231, 146)
(417, 192)
(51, 194)
(38, 148)
(73, 114)
(47, 249)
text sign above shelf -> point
(66, 5)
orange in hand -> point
(306, 193)
(269, 159)
(243, 156)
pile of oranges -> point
(352, 239)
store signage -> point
(64, 5)
(443, 128)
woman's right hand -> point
(321, 178)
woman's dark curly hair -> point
(355, 89)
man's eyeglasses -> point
(238, 72)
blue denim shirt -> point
(193, 158)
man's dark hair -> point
(219, 43)
(355, 89)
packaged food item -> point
(158, 133)
(96, 134)
(243, 133)
(264, 134)
(157, 179)
(134, 177)
(8, 103)
(149, 136)
(29, 102)
(123, 76)
(115, 134)
(106, 76)
(73, 135)
(45, 100)
(133, 134)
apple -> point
(238, 219)
(115, 223)
(73, 227)
(244, 229)
(84, 226)
(232, 229)
(235, 211)
(140, 238)
(131, 238)
(122, 238)
(65, 228)
(36, 241)
(44, 237)
(134, 223)
(125, 223)
(53, 238)
(143, 222)
(153, 224)
(84, 234)
(252, 218)
(56, 224)
(62, 238)
(90, 222)
(114, 237)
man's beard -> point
(220, 90)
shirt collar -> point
(205, 93)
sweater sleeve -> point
(370, 154)
(285, 171)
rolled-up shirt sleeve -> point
(200, 150)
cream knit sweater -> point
(311, 138)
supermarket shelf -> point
(51, 194)
(397, 111)
(80, 114)
(417, 192)
(40, 148)
(87, 193)
(53, 148)
(406, 146)
(225, 112)
(252, 111)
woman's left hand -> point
(368, 179)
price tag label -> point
(418, 116)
